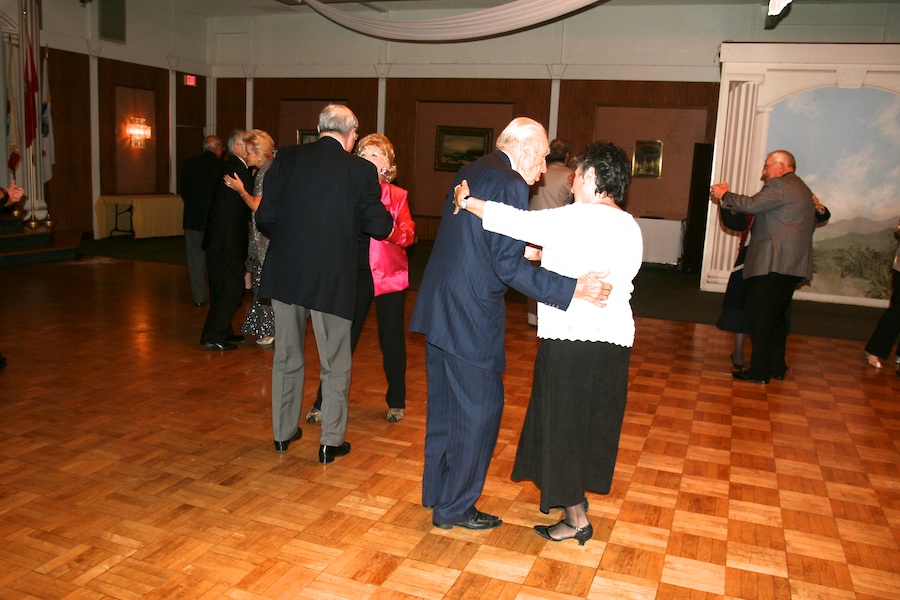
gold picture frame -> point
(458, 146)
(647, 159)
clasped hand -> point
(592, 288)
(717, 190)
(459, 192)
(15, 193)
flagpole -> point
(45, 95)
(29, 26)
(27, 170)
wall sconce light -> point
(138, 130)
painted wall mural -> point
(847, 146)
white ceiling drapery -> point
(776, 6)
(511, 16)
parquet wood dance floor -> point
(134, 464)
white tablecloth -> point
(662, 240)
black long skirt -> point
(735, 315)
(570, 437)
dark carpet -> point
(659, 293)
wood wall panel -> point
(135, 166)
(583, 102)
(299, 118)
(190, 119)
(190, 102)
(69, 193)
(579, 99)
(529, 98)
(231, 106)
(112, 74)
(361, 95)
(678, 129)
(430, 185)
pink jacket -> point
(387, 258)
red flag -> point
(32, 87)
(12, 128)
(48, 143)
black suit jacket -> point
(318, 199)
(199, 177)
(227, 230)
(460, 306)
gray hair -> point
(211, 142)
(337, 118)
(785, 158)
(236, 137)
(520, 130)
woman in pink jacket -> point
(384, 277)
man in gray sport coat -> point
(779, 258)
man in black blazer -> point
(199, 177)
(779, 258)
(318, 198)
(225, 242)
(462, 312)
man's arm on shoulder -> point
(268, 206)
(374, 218)
(769, 197)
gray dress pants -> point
(288, 370)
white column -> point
(381, 70)
(211, 113)
(556, 73)
(173, 121)
(93, 71)
(249, 71)
(736, 160)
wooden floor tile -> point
(136, 465)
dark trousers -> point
(465, 403)
(389, 309)
(770, 299)
(226, 286)
(888, 329)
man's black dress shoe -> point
(479, 521)
(235, 339)
(746, 376)
(283, 446)
(327, 454)
(220, 346)
(783, 375)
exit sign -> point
(190, 80)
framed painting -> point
(305, 136)
(647, 159)
(458, 146)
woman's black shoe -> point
(582, 534)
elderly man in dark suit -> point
(318, 199)
(199, 177)
(779, 258)
(225, 242)
(461, 310)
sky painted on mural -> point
(847, 146)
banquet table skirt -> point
(151, 215)
(662, 240)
